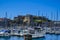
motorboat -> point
(34, 33)
(4, 33)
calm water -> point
(47, 37)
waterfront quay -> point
(51, 33)
(16, 31)
(47, 37)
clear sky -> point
(23, 7)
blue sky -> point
(23, 7)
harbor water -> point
(47, 37)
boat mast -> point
(42, 19)
(38, 17)
(51, 18)
(38, 13)
(46, 21)
(56, 17)
(6, 19)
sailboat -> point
(52, 28)
(57, 29)
(5, 32)
(39, 32)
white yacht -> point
(14, 32)
(4, 33)
(34, 33)
(24, 32)
(57, 30)
(37, 34)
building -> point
(18, 20)
(4, 22)
(28, 20)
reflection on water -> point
(16, 38)
(11, 38)
(5, 38)
(39, 39)
(47, 37)
(52, 37)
